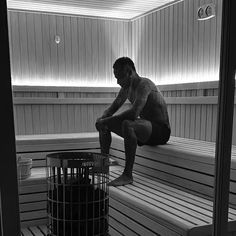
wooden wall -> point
(41, 110)
(168, 46)
(171, 46)
(192, 109)
(84, 56)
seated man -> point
(145, 123)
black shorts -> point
(160, 135)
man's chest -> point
(132, 95)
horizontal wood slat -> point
(49, 101)
(39, 230)
(169, 100)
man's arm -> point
(116, 104)
(143, 92)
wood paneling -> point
(84, 56)
(168, 46)
(172, 46)
(192, 109)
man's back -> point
(155, 109)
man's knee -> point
(97, 126)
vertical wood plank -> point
(61, 49)
(24, 56)
(74, 49)
(20, 119)
(67, 24)
(43, 119)
(188, 117)
(182, 119)
(28, 119)
(53, 47)
(36, 119)
(39, 73)
(198, 122)
(57, 118)
(50, 119)
(203, 121)
(71, 118)
(64, 118)
(46, 48)
(192, 121)
(178, 120)
(209, 122)
(15, 46)
(78, 122)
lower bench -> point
(149, 207)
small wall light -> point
(206, 11)
(57, 39)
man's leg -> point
(105, 141)
(105, 134)
(132, 132)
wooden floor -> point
(40, 230)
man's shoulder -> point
(147, 83)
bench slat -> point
(124, 219)
(36, 222)
(43, 228)
(32, 197)
(162, 204)
(191, 180)
(36, 231)
(113, 232)
(33, 215)
(32, 206)
(154, 226)
(33, 188)
(26, 232)
(173, 201)
(189, 198)
(120, 227)
(165, 167)
(57, 147)
(181, 149)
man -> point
(145, 123)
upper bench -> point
(186, 163)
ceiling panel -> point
(119, 9)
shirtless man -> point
(145, 123)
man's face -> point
(122, 76)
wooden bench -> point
(172, 190)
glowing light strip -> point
(58, 83)
(164, 80)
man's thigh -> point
(115, 125)
(142, 129)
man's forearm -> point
(126, 115)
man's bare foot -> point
(120, 181)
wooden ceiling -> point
(118, 9)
